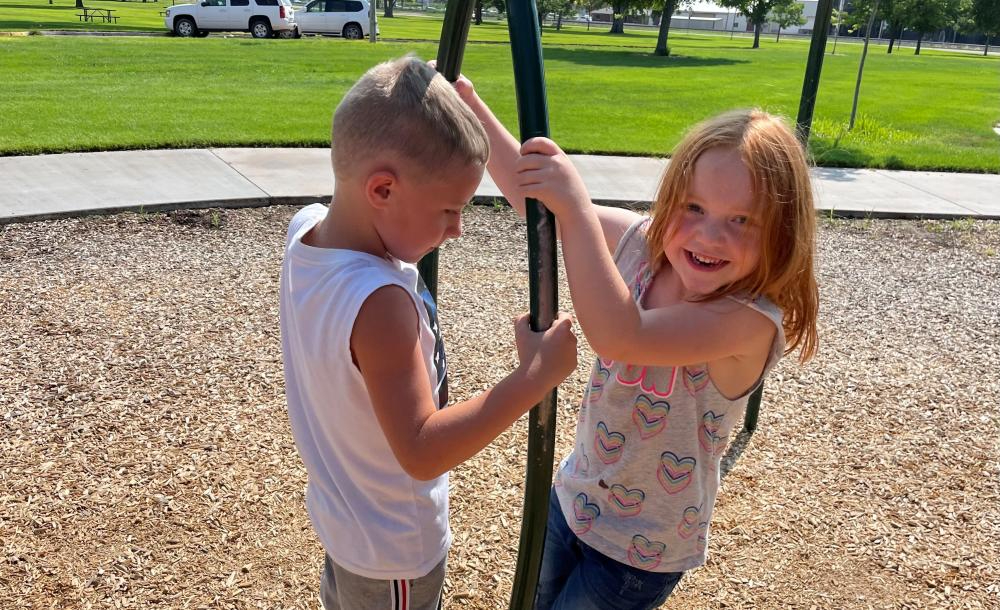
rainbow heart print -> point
(650, 417)
(675, 473)
(644, 553)
(584, 514)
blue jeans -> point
(576, 577)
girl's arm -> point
(426, 441)
(502, 165)
(615, 326)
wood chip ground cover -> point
(146, 459)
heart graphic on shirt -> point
(644, 553)
(626, 502)
(695, 379)
(689, 522)
(609, 445)
(597, 381)
(708, 433)
(675, 473)
(649, 416)
(584, 514)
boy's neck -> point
(346, 227)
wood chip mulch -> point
(146, 459)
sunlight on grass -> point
(867, 130)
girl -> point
(687, 310)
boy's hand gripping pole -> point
(454, 33)
(529, 79)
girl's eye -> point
(693, 207)
(741, 220)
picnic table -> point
(97, 14)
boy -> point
(364, 364)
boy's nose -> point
(455, 228)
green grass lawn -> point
(606, 94)
(26, 15)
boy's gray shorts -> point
(342, 590)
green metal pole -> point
(454, 33)
(529, 78)
(814, 65)
(753, 410)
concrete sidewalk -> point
(54, 186)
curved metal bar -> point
(526, 49)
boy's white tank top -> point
(641, 483)
(372, 518)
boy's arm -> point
(426, 441)
(502, 165)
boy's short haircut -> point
(405, 107)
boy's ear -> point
(380, 187)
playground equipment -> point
(532, 110)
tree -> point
(560, 8)
(886, 11)
(756, 12)
(962, 20)
(986, 15)
(669, 7)
(477, 13)
(388, 6)
(620, 8)
(926, 16)
(786, 13)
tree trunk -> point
(477, 15)
(986, 47)
(778, 37)
(559, 22)
(618, 17)
(79, 3)
(920, 38)
(756, 36)
(389, 5)
(895, 31)
(662, 49)
(861, 66)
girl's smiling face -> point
(714, 239)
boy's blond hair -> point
(783, 200)
(405, 108)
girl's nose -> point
(712, 231)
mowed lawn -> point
(606, 94)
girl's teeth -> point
(705, 260)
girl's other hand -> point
(545, 173)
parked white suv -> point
(262, 18)
(347, 18)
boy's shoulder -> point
(308, 216)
